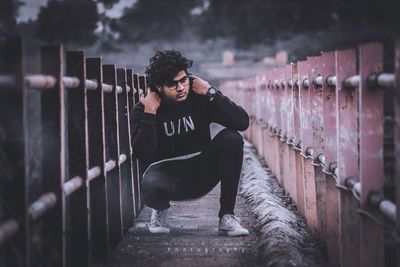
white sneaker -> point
(157, 223)
(230, 225)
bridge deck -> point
(194, 240)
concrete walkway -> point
(194, 239)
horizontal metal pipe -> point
(352, 81)
(128, 88)
(385, 206)
(109, 165)
(318, 81)
(276, 84)
(306, 83)
(8, 229)
(71, 82)
(382, 80)
(43, 204)
(107, 88)
(93, 173)
(72, 185)
(7, 81)
(119, 89)
(388, 209)
(141, 91)
(331, 80)
(297, 83)
(121, 159)
(40, 82)
(290, 83)
(91, 84)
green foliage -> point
(68, 21)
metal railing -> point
(319, 124)
(77, 190)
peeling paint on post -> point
(371, 153)
(306, 138)
(330, 152)
(316, 100)
(347, 157)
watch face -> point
(213, 91)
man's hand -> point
(200, 86)
(151, 102)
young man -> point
(171, 131)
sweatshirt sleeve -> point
(144, 133)
(225, 112)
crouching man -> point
(171, 133)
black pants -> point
(191, 178)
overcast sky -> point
(31, 8)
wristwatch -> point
(211, 92)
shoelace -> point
(233, 221)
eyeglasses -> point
(173, 85)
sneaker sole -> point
(231, 233)
(159, 230)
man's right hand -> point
(151, 102)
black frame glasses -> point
(173, 85)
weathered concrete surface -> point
(278, 234)
(194, 239)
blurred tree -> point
(8, 13)
(68, 21)
(153, 19)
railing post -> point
(332, 231)
(76, 204)
(347, 152)
(54, 162)
(95, 146)
(316, 99)
(114, 220)
(397, 142)
(127, 204)
(371, 153)
(306, 139)
(289, 122)
(296, 141)
(131, 101)
(14, 178)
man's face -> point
(178, 89)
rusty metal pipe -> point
(91, 84)
(71, 82)
(8, 229)
(331, 80)
(121, 159)
(109, 165)
(40, 82)
(382, 80)
(352, 82)
(107, 88)
(119, 89)
(318, 81)
(7, 81)
(93, 173)
(306, 83)
(40, 206)
(72, 185)
(385, 206)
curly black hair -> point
(164, 66)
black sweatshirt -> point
(182, 128)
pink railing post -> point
(332, 231)
(306, 139)
(371, 153)
(348, 156)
